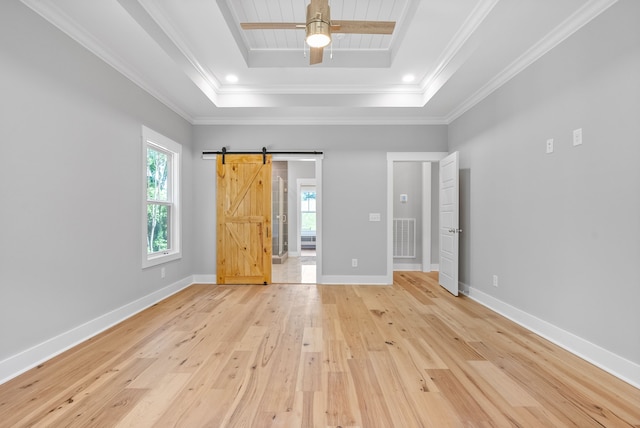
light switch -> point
(550, 145)
(374, 216)
(404, 198)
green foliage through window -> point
(308, 210)
(308, 221)
(158, 223)
(157, 174)
(158, 201)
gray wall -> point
(70, 184)
(353, 184)
(561, 230)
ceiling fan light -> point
(318, 35)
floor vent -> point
(404, 238)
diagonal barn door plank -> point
(241, 246)
(242, 192)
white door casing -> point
(449, 226)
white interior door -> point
(449, 192)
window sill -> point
(160, 259)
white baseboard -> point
(400, 267)
(355, 279)
(407, 267)
(464, 289)
(30, 358)
(616, 365)
(205, 279)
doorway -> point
(426, 237)
(298, 222)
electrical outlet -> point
(163, 272)
(577, 137)
(550, 145)
(495, 280)
(354, 262)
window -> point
(161, 211)
(308, 216)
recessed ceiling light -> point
(408, 78)
(232, 78)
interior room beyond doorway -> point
(294, 222)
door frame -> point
(402, 157)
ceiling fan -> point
(319, 27)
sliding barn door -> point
(244, 219)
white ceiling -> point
(181, 52)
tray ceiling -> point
(183, 53)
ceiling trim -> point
(171, 42)
(449, 62)
(565, 29)
(299, 58)
(398, 89)
(227, 15)
(310, 120)
(67, 25)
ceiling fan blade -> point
(272, 25)
(315, 55)
(363, 27)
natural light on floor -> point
(296, 270)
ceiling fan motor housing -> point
(318, 28)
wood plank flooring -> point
(410, 355)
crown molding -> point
(569, 26)
(432, 83)
(174, 44)
(397, 89)
(311, 120)
(67, 25)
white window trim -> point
(152, 138)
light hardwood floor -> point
(304, 355)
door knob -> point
(455, 230)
